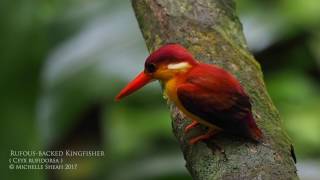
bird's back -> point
(216, 96)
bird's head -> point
(163, 64)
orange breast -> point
(171, 92)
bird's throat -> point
(170, 88)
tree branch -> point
(211, 30)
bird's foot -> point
(190, 126)
(206, 136)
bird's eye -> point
(151, 67)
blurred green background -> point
(63, 61)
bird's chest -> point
(170, 90)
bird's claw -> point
(190, 126)
(206, 136)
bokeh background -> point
(63, 61)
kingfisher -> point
(205, 93)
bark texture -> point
(211, 30)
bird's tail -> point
(254, 130)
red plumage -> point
(205, 93)
(217, 97)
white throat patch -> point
(177, 66)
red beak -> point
(141, 80)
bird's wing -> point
(216, 100)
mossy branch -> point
(211, 30)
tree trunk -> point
(211, 30)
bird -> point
(205, 93)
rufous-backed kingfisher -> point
(205, 93)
